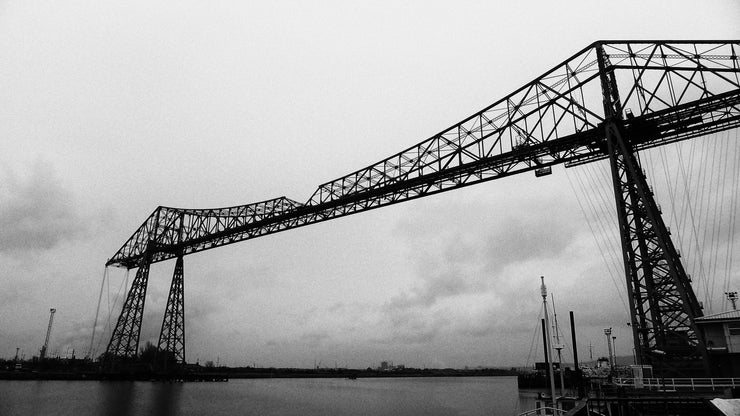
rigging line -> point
(109, 308)
(97, 312)
(682, 208)
(599, 243)
(689, 185)
(675, 192)
(672, 199)
(556, 326)
(603, 216)
(729, 224)
(535, 337)
(709, 192)
(609, 224)
(680, 205)
(701, 186)
(717, 218)
(733, 212)
(686, 202)
(124, 284)
(694, 232)
(683, 200)
(559, 333)
(596, 240)
(600, 212)
(671, 194)
(721, 218)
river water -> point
(490, 396)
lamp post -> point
(732, 297)
(614, 349)
(608, 333)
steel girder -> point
(172, 336)
(124, 342)
(656, 92)
(662, 303)
(673, 89)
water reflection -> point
(490, 396)
(117, 398)
(166, 398)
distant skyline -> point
(109, 110)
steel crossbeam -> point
(680, 89)
(608, 101)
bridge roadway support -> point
(172, 336)
(124, 342)
(662, 304)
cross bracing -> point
(608, 101)
(674, 90)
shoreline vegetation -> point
(89, 370)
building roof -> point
(722, 316)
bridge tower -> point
(575, 113)
(662, 304)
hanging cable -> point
(596, 240)
(97, 312)
(535, 338)
(111, 308)
(733, 213)
(598, 214)
(698, 268)
(716, 217)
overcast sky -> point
(110, 109)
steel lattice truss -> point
(124, 341)
(609, 100)
(674, 90)
(663, 305)
(172, 335)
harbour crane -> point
(52, 311)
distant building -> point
(383, 366)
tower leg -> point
(172, 335)
(662, 303)
(124, 342)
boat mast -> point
(543, 290)
(558, 346)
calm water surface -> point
(305, 397)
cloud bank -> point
(37, 212)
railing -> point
(679, 383)
(543, 411)
(648, 406)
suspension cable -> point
(733, 215)
(97, 312)
(594, 235)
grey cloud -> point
(517, 239)
(470, 261)
(314, 338)
(435, 286)
(38, 213)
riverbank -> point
(92, 371)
